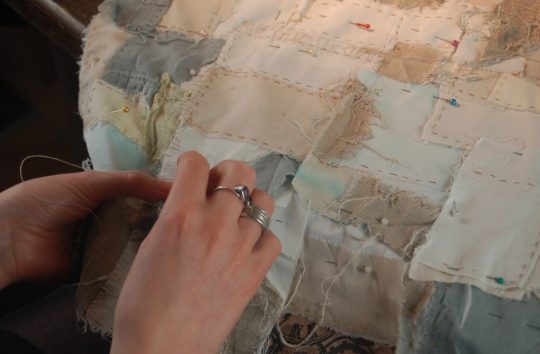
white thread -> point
(87, 164)
(326, 292)
(44, 157)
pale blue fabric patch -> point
(137, 67)
(139, 16)
(462, 319)
(110, 150)
(273, 171)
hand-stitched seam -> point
(290, 33)
(501, 180)
(375, 171)
(508, 283)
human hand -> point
(199, 266)
(38, 218)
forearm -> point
(6, 254)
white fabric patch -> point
(488, 232)
(213, 149)
(463, 125)
(356, 280)
(293, 57)
(394, 159)
(388, 25)
(289, 225)
(393, 96)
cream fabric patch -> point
(463, 125)
(262, 12)
(259, 109)
(513, 93)
(350, 284)
(200, 18)
(163, 118)
(103, 39)
(110, 104)
(488, 232)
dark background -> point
(38, 102)
(39, 116)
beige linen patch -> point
(259, 109)
(414, 63)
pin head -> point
(125, 109)
(455, 43)
(453, 102)
(499, 280)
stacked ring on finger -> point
(250, 210)
(257, 214)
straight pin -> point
(124, 109)
(454, 43)
(498, 280)
(452, 101)
(364, 26)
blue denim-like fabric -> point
(137, 67)
(273, 170)
(463, 319)
(139, 16)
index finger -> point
(191, 180)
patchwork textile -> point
(460, 318)
(495, 248)
(400, 140)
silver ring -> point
(241, 192)
(259, 215)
